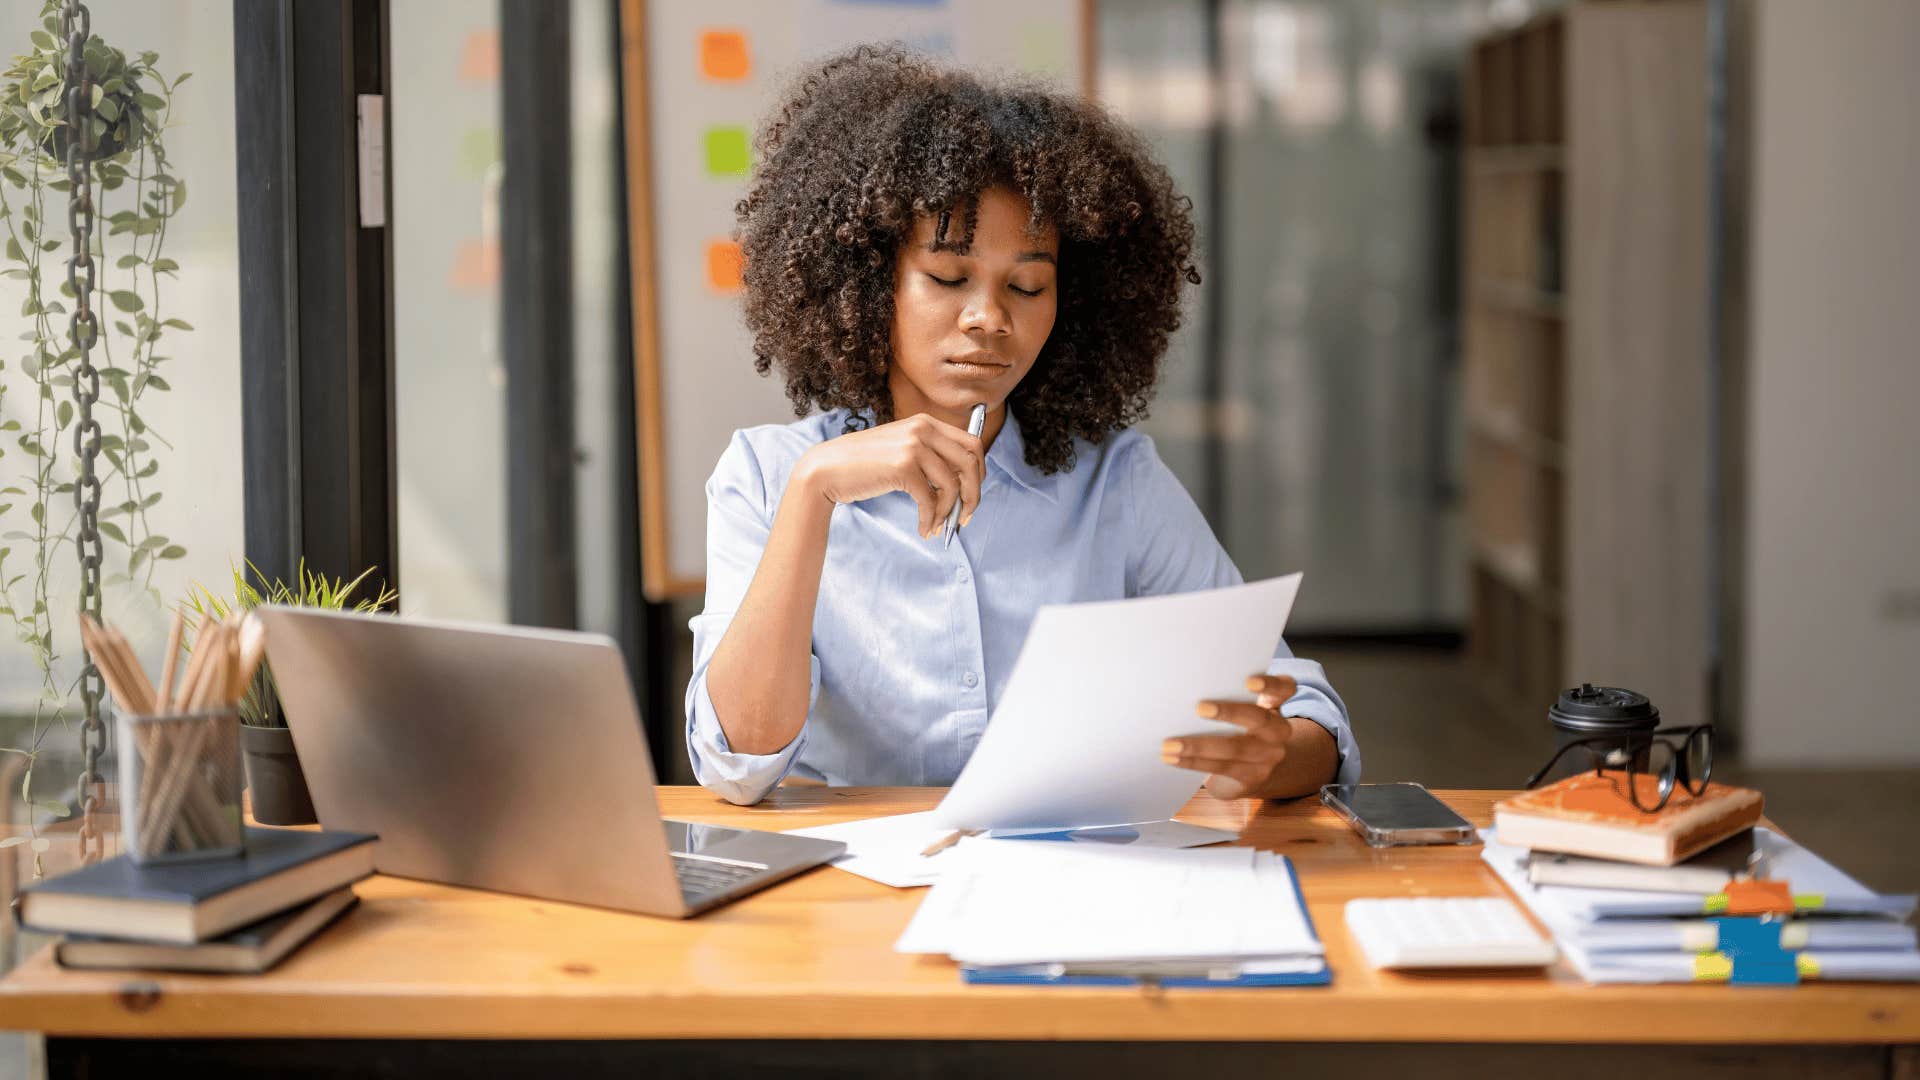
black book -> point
(249, 950)
(190, 902)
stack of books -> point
(1026, 912)
(1695, 892)
(240, 915)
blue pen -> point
(976, 423)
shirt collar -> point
(1009, 453)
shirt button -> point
(962, 575)
(970, 679)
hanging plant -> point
(136, 195)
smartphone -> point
(1391, 815)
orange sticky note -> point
(723, 55)
(1750, 897)
(724, 264)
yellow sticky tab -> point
(1712, 967)
(1715, 904)
(1808, 967)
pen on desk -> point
(976, 423)
(948, 841)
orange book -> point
(1592, 814)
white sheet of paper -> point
(887, 849)
(1097, 688)
(1011, 902)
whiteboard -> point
(698, 77)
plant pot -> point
(274, 779)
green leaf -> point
(158, 383)
(179, 194)
(43, 40)
(172, 551)
(14, 252)
(151, 102)
(57, 809)
(165, 266)
(64, 416)
(109, 529)
(128, 260)
(178, 324)
(126, 300)
(150, 500)
(183, 78)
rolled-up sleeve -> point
(739, 520)
(1176, 552)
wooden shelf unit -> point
(1584, 218)
(1514, 356)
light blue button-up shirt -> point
(913, 641)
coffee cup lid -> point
(1588, 705)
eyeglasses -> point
(1669, 755)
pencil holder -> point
(180, 786)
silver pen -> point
(976, 423)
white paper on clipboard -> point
(1097, 688)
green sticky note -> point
(727, 151)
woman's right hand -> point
(929, 459)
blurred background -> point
(1555, 342)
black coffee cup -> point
(1588, 712)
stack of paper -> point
(1840, 929)
(1014, 911)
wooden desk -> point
(811, 959)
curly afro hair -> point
(877, 136)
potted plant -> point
(278, 787)
(136, 194)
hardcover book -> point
(1593, 814)
(187, 903)
(249, 950)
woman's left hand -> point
(1245, 765)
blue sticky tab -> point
(1749, 936)
(1753, 971)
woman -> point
(918, 241)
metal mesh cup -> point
(180, 785)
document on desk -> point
(888, 849)
(1075, 739)
(1006, 903)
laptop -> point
(502, 758)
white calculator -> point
(1433, 931)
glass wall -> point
(1334, 292)
(450, 381)
(169, 353)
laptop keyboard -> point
(702, 879)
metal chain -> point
(76, 26)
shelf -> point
(1536, 157)
(1518, 296)
(1520, 571)
(1507, 430)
